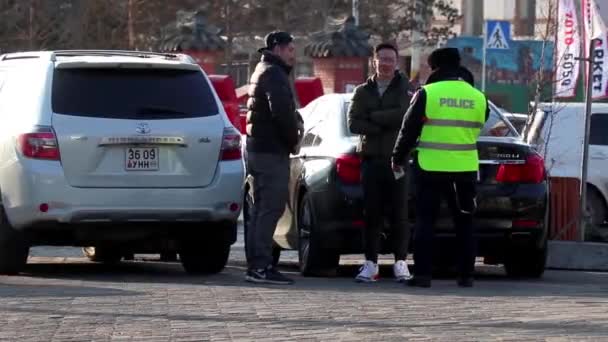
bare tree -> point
(390, 18)
(542, 82)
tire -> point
(276, 255)
(14, 248)
(247, 205)
(526, 263)
(168, 257)
(596, 208)
(203, 259)
(313, 260)
(105, 255)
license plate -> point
(141, 159)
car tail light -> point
(231, 145)
(359, 224)
(525, 223)
(532, 171)
(348, 168)
(39, 144)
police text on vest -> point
(456, 103)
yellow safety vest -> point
(455, 115)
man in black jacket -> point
(273, 132)
(376, 112)
(457, 187)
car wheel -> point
(276, 255)
(247, 205)
(597, 214)
(104, 255)
(313, 260)
(208, 258)
(168, 257)
(526, 263)
(14, 248)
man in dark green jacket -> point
(376, 112)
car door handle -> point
(599, 155)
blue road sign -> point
(498, 34)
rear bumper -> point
(340, 215)
(348, 239)
(28, 184)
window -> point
(496, 126)
(345, 114)
(313, 123)
(519, 125)
(599, 129)
(525, 17)
(132, 93)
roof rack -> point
(126, 53)
(22, 55)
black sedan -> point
(324, 217)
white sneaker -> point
(402, 273)
(368, 273)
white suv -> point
(128, 152)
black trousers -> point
(384, 197)
(460, 197)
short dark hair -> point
(385, 46)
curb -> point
(578, 256)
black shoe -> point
(268, 275)
(419, 282)
(465, 282)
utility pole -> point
(588, 104)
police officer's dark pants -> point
(270, 174)
(383, 194)
(460, 199)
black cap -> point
(444, 57)
(276, 38)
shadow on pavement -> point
(490, 281)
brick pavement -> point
(69, 299)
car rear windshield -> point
(132, 93)
(497, 126)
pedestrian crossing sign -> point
(498, 34)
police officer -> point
(443, 123)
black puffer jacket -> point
(272, 120)
(376, 118)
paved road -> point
(62, 297)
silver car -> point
(124, 152)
